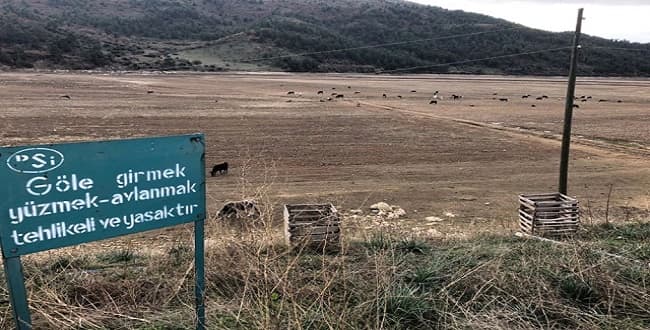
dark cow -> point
(603, 100)
(525, 96)
(504, 99)
(334, 94)
(66, 97)
(239, 210)
(291, 92)
(357, 92)
(544, 96)
(220, 169)
(414, 91)
(583, 100)
(399, 96)
(619, 101)
(539, 98)
(532, 105)
(384, 95)
(340, 96)
(433, 102)
(319, 92)
(149, 92)
(456, 97)
(576, 106)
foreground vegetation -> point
(380, 281)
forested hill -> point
(217, 35)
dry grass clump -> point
(255, 282)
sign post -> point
(17, 293)
(60, 195)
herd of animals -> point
(436, 97)
(222, 168)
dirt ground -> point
(463, 161)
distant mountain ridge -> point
(217, 35)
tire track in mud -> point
(591, 146)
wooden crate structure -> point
(312, 226)
(548, 214)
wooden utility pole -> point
(568, 110)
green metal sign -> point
(53, 196)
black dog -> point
(220, 168)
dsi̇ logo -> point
(35, 160)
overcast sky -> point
(612, 19)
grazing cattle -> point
(334, 94)
(329, 98)
(333, 87)
(525, 96)
(588, 97)
(471, 105)
(619, 101)
(319, 92)
(583, 100)
(495, 94)
(216, 101)
(384, 96)
(603, 100)
(433, 102)
(414, 91)
(66, 97)
(322, 100)
(576, 106)
(357, 92)
(504, 99)
(358, 104)
(399, 96)
(539, 98)
(544, 96)
(220, 169)
(339, 96)
(349, 87)
(149, 92)
(291, 92)
(456, 97)
(532, 105)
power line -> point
(381, 45)
(476, 60)
(618, 48)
